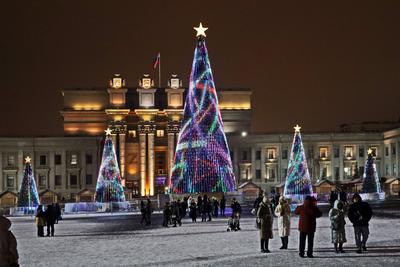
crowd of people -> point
(48, 218)
(202, 207)
(359, 214)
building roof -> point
(247, 184)
(322, 181)
(8, 192)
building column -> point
(150, 159)
(122, 137)
(82, 176)
(262, 165)
(1, 172)
(253, 163)
(341, 164)
(142, 162)
(20, 173)
(51, 176)
(64, 170)
(397, 159)
(171, 153)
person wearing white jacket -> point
(282, 211)
(8, 244)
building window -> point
(244, 155)
(58, 180)
(361, 170)
(348, 152)
(89, 179)
(258, 174)
(271, 173)
(337, 174)
(386, 169)
(323, 152)
(387, 151)
(393, 150)
(11, 160)
(42, 160)
(57, 159)
(361, 152)
(132, 133)
(42, 181)
(74, 159)
(89, 159)
(258, 154)
(160, 133)
(394, 169)
(284, 154)
(73, 180)
(271, 153)
(336, 152)
(284, 173)
(10, 181)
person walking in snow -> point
(222, 205)
(50, 215)
(166, 214)
(8, 244)
(282, 211)
(360, 214)
(40, 221)
(308, 213)
(338, 232)
(193, 211)
(149, 211)
(143, 213)
(264, 215)
(216, 207)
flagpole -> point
(159, 72)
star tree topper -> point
(28, 160)
(369, 151)
(297, 128)
(108, 131)
(200, 30)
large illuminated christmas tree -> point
(202, 159)
(298, 182)
(370, 180)
(28, 194)
(109, 187)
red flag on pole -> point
(156, 61)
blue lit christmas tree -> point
(28, 194)
(370, 180)
(202, 159)
(298, 182)
(109, 187)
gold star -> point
(200, 30)
(108, 131)
(297, 128)
(28, 159)
(369, 151)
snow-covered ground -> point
(119, 240)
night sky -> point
(318, 64)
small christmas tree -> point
(202, 159)
(109, 187)
(28, 194)
(371, 182)
(298, 182)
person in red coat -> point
(308, 213)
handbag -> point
(258, 223)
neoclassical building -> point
(145, 123)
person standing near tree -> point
(282, 211)
(360, 213)
(149, 211)
(216, 207)
(338, 232)
(8, 244)
(222, 205)
(193, 211)
(264, 215)
(308, 213)
(40, 221)
(143, 213)
(50, 215)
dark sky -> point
(318, 64)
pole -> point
(159, 72)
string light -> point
(28, 194)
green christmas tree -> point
(202, 159)
(28, 194)
(298, 181)
(371, 182)
(109, 187)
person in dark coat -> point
(8, 244)
(149, 211)
(193, 211)
(166, 214)
(308, 213)
(200, 206)
(143, 213)
(236, 211)
(257, 203)
(175, 214)
(338, 231)
(265, 217)
(360, 213)
(58, 213)
(40, 221)
(50, 215)
(222, 205)
(333, 197)
(216, 207)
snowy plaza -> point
(120, 240)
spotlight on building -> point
(244, 134)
